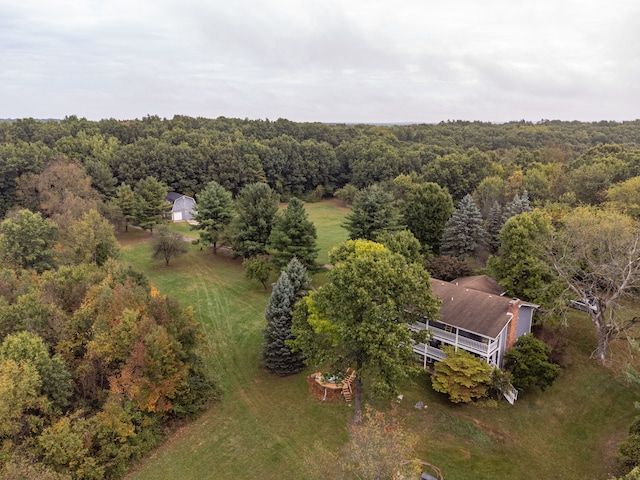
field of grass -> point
(263, 426)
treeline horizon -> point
(550, 159)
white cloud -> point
(407, 60)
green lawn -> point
(328, 217)
(263, 426)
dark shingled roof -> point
(472, 310)
(172, 196)
(483, 283)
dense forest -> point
(94, 361)
(549, 159)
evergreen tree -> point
(256, 205)
(463, 232)
(125, 199)
(519, 204)
(373, 212)
(149, 203)
(277, 355)
(530, 365)
(293, 236)
(214, 211)
(493, 226)
(102, 178)
(299, 279)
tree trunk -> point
(357, 414)
(215, 248)
(602, 335)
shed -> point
(182, 206)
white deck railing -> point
(481, 348)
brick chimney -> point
(514, 307)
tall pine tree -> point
(519, 204)
(256, 205)
(277, 355)
(493, 226)
(373, 212)
(293, 235)
(463, 232)
(214, 211)
(299, 279)
(149, 203)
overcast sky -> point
(321, 60)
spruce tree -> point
(125, 199)
(463, 232)
(519, 204)
(299, 280)
(277, 355)
(493, 226)
(293, 235)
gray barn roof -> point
(173, 196)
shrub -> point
(461, 375)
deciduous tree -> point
(359, 318)
(257, 268)
(624, 197)
(28, 240)
(519, 266)
(167, 244)
(425, 209)
(28, 348)
(91, 239)
(596, 256)
(403, 242)
(378, 449)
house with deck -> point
(475, 318)
(182, 206)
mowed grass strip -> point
(263, 426)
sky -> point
(366, 61)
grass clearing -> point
(328, 217)
(262, 426)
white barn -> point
(182, 206)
